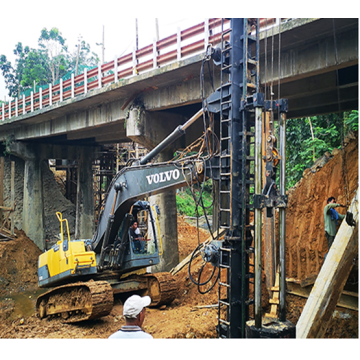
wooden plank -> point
(298, 262)
(178, 267)
(330, 282)
(5, 208)
(275, 299)
(348, 300)
(317, 261)
(268, 223)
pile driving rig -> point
(239, 107)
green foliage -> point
(186, 205)
(303, 147)
(352, 120)
(47, 64)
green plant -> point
(186, 205)
(352, 121)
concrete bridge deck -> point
(319, 74)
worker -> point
(331, 217)
(138, 245)
(134, 312)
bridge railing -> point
(183, 44)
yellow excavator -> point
(85, 274)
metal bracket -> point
(263, 201)
(281, 104)
(259, 100)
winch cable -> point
(279, 63)
(271, 129)
(265, 81)
(340, 116)
(198, 283)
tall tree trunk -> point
(312, 135)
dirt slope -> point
(305, 232)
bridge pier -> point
(33, 213)
(167, 223)
(149, 130)
(85, 210)
(33, 207)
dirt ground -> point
(191, 314)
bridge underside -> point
(318, 74)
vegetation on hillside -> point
(307, 139)
(189, 203)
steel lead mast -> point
(240, 106)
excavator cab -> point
(137, 246)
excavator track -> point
(162, 288)
(77, 302)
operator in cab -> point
(137, 239)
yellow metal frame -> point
(59, 216)
(158, 227)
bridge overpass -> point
(143, 96)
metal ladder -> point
(236, 134)
(225, 132)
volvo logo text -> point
(163, 176)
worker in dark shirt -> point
(136, 238)
(331, 217)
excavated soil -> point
(332, 175)
(191, 314)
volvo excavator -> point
(85, 274)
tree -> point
(82, 56)
(308, 139)
(13, 75)
(35, 70)
(46, 64)
(53, 49)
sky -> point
(87, 19)
(23, 20)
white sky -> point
(23, 20)
(76, 17)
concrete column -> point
(33, 207)
(168, 224)
(149, 129)
(85, 212)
